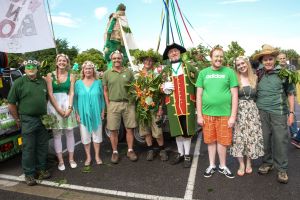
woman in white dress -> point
(60, 85)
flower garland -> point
(145, 92)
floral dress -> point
(247, 135)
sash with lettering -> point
(24, 26)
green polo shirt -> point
(29, 95)
(272, 93)
(116, 82)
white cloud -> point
(65, 19)
(100, 12)
(238, 1)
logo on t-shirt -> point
(215, 76)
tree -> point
(93, 55)
(234, 50)
(140, 54)
(47, 55)
(198, 56)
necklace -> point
(249, 94)
(176, 71)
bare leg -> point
(97, 152)
(160, 141)
(114, 140)
(222, 154)
(148, 139)
(212, 149)
(129, 137)
(87, 149)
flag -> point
(24, 26)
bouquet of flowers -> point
(145, 92)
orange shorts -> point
(216, 128)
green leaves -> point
(291, 76)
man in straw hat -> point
(28, 103)
(275, 101)
(180, 101)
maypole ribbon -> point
(162, 28)
(196, 31)
(183, 20)
(176, 23)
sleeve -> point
(13, 96)
(233, 79)
(102, 102)
(104, 78)
(291, 89)
(199, 82)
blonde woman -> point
(89, 105)
(247, 137)
(60, 85)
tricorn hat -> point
(173, 46)
(266, 50)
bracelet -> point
(292, 112)
(70, 107)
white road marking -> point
(191, 181)
(65, 150)
(95, 190)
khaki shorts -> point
(154, 129)
(216, 129)
(118, 110)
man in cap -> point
(28, 103)
(275, 101)
(180, 101)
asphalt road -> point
(149, 180)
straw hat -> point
(266, 50)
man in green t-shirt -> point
(217, 104)
(27, 103)
(118, 106)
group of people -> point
(238, 109)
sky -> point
(251, 23)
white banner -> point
(24, 26)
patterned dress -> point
(247, 136)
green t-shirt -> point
(116, 82)
(216, 96)
(29, 95)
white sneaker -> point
(73, 164)
(61, 167)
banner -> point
(24, 26)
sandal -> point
(87, 163)
(241, 171)
(99, 162)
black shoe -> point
(187, 161)
(42, 174)
(226, 172)
(209, 171)
(30, 181)
(176, 159)
(150, 155)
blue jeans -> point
(293, 128)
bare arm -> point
(199, 106)
(291, 100)
(14, 112)
(106, 95)
(51, 96)
(71, 96)
(234, 106)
